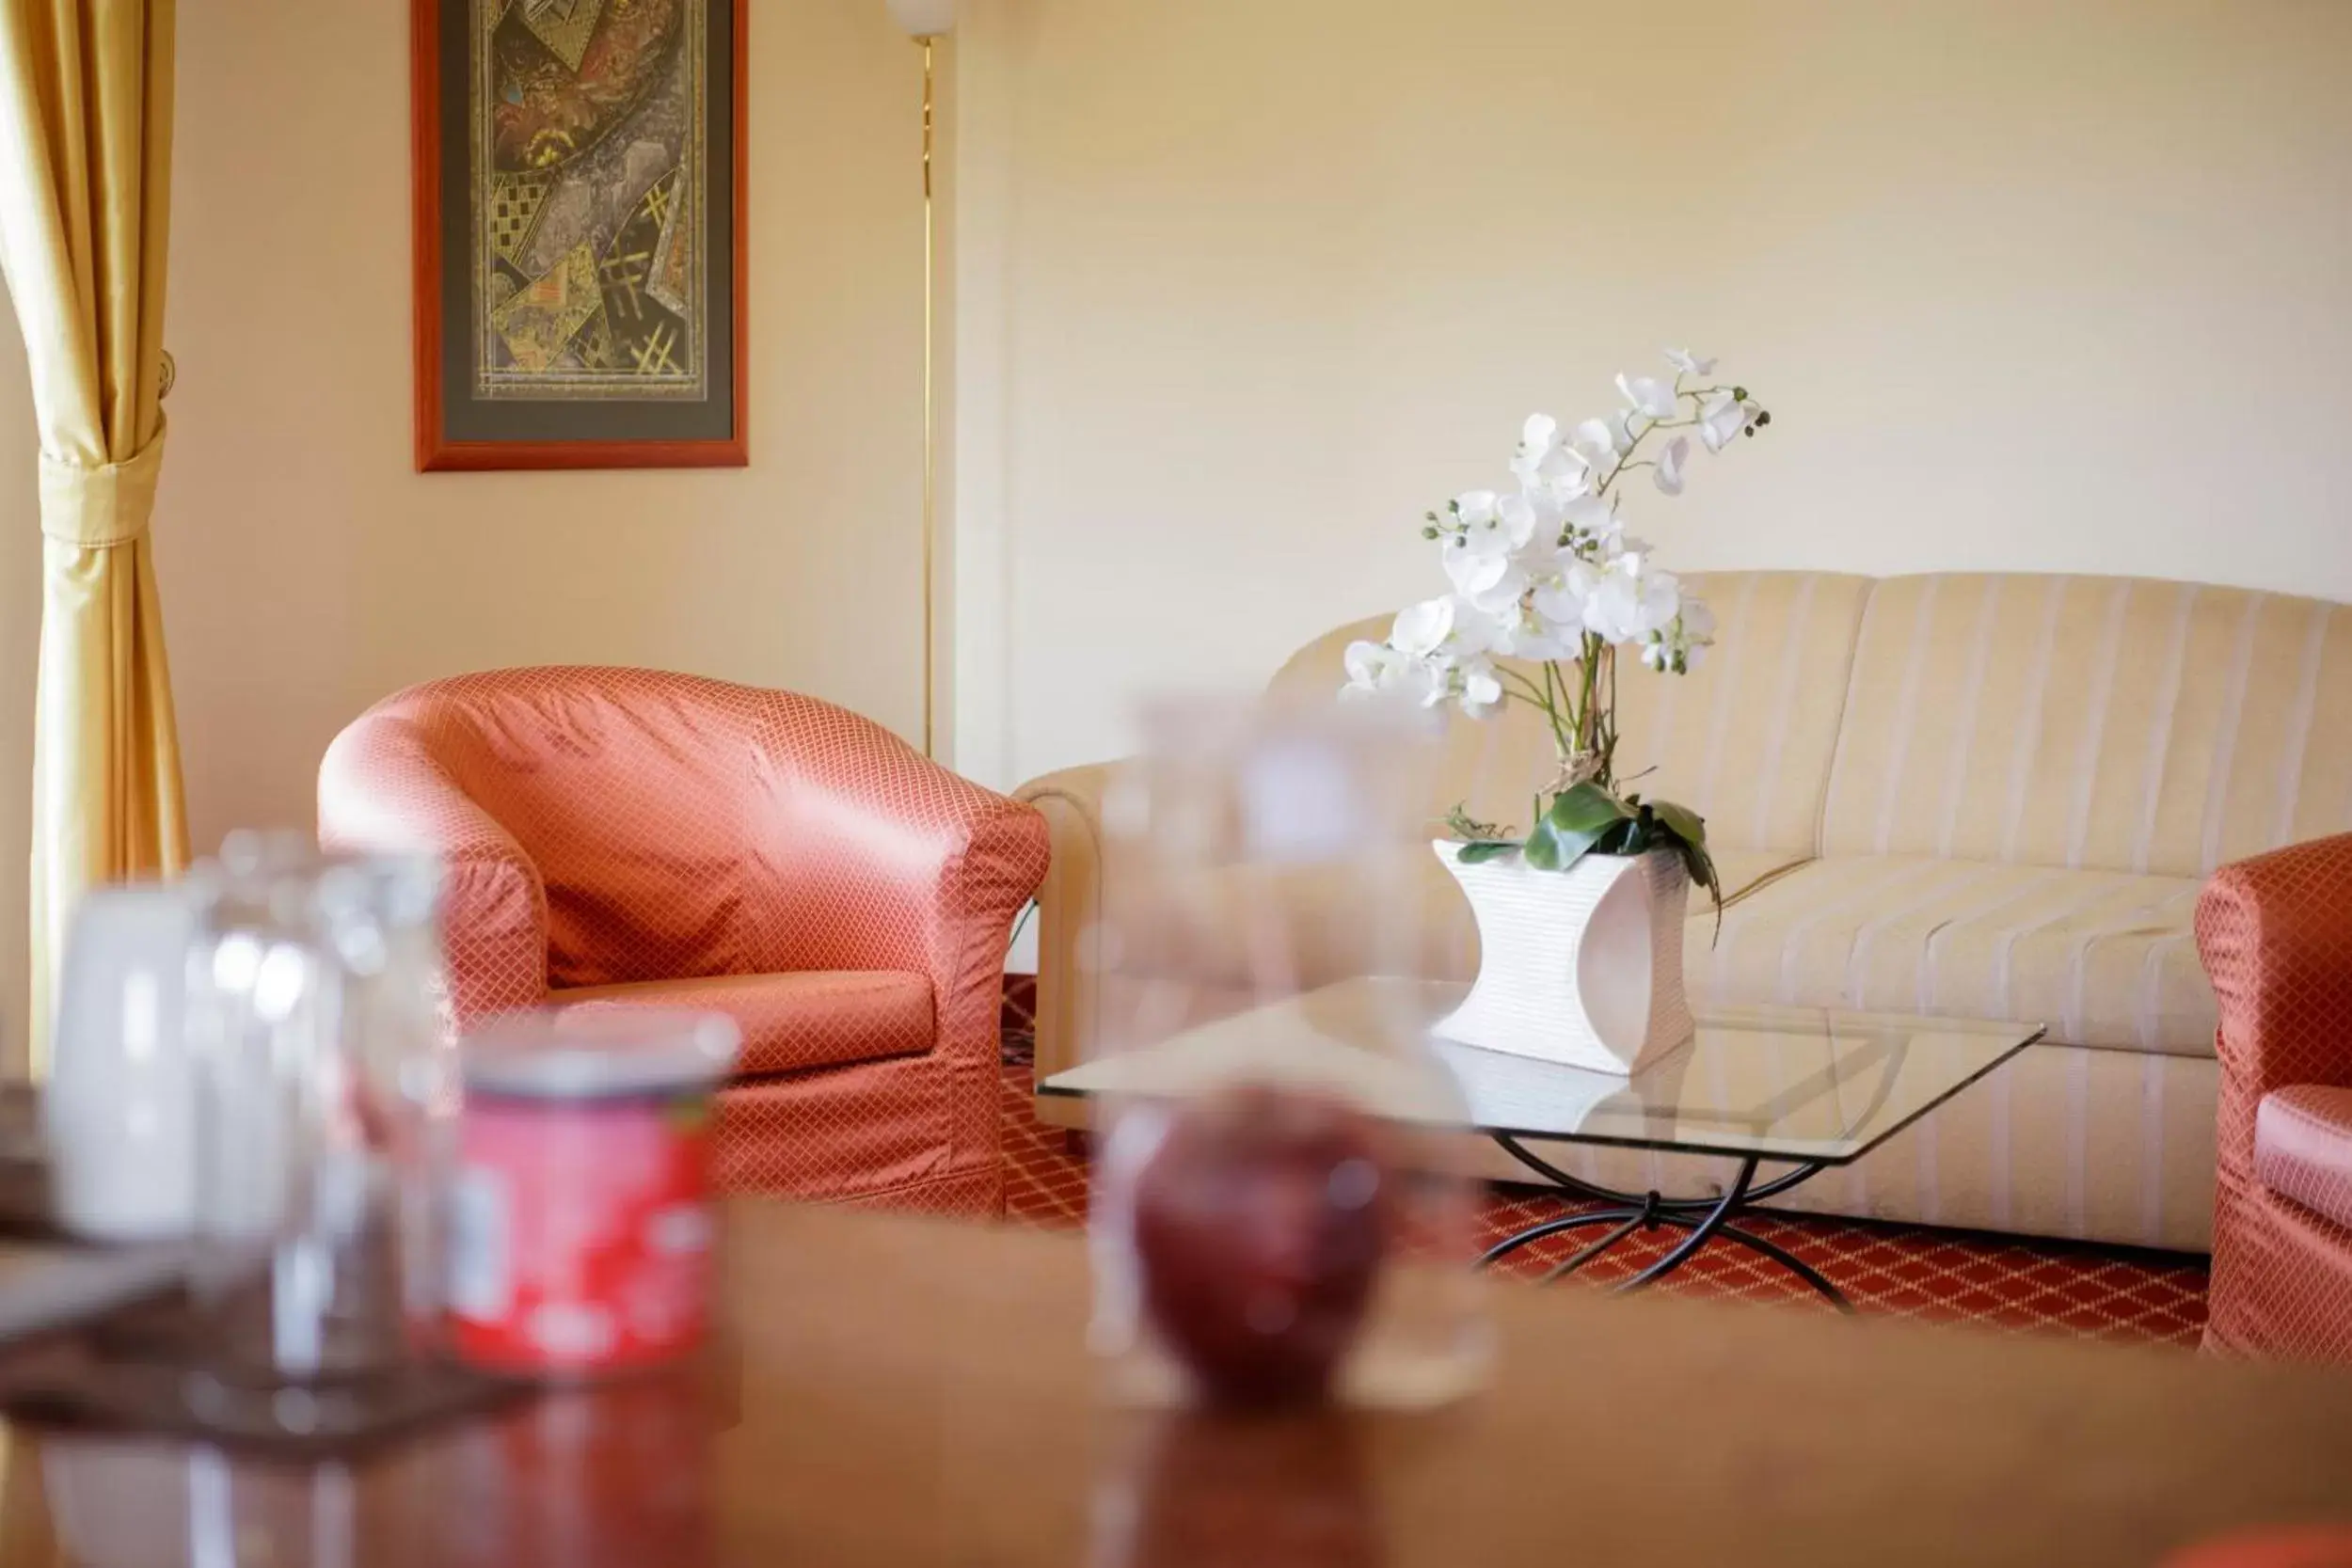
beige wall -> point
(306, 570)
(1244, 286)
(2058, 284)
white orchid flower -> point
(1612, 613)
(1367, 662)
(1561, 599)
(1538, 438)
(1501, 596)
(1722, 417)
(1658, 595)
(1508, 631)
(1516, 520)
(1630, 602)
(1423, 628)
(1479, 631)
(1379, 672)
(1693, 634)
(1471, 568)
(1698, 622)
(1492, 524)
(1482, 688)
(1596, 443)
(1477, 559)
(1558, 475)
(1542, 643)
(1651, 398)
(1671, 465)
(1549, 570)
(1595, 519)
(1677, 649)
(1540, 521)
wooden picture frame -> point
(513, 369)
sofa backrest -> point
(1746, 740)
(2109, 723)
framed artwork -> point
(580, 233)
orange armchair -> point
(2275, 935)
(622, 837)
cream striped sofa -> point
(1988, 796)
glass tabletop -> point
(1785, 1083)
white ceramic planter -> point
(1582, 966)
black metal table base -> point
(1702, 1220)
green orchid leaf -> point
(1484, 851)
(1623, 837)
(1551, 847)
(1585, 807)
(1684, 823)
(1701, 867)
(1581, 819)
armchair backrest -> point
(670, 818)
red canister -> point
(580, 1222)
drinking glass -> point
(325, 1090)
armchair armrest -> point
(2275, 933)
(881, 859)
(1068, 905)
(381, 791)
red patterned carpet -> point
(1900, 1270)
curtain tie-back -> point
(98, 508)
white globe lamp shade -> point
(924, 19)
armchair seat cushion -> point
(2303, 1148)
(791, 1022)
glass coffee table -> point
(1797, 1088)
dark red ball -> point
(1260, 1227)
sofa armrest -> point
(1068, 905)
(2275, 933)
(381, 792)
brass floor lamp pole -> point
(926, 21)
(930, 420)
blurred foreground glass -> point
(119, 1110)
(322, 1124)
(1280, 1217)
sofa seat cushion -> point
(2102, 958)
(2303, 1148)
(791, 1022)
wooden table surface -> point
(909, 1392)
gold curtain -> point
(84, 220)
